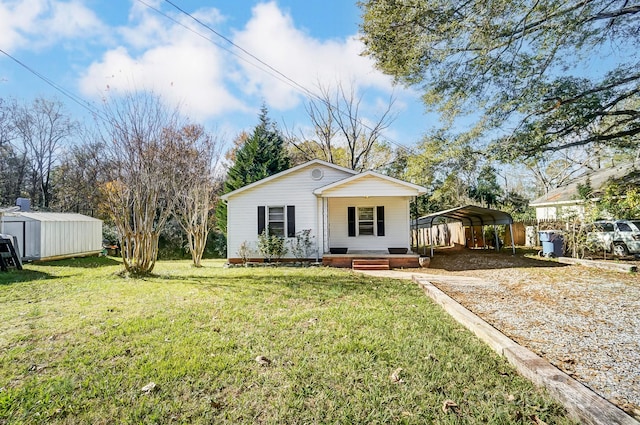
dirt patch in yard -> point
(583, 320)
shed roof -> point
(469, 215)
(50, 216)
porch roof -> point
(369, 184)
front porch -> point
(395, 261)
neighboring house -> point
(342, 208)
(565, 200)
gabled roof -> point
(469, 215)
(414, 188)
(597, 179)
(284, 173)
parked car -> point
(622, 237)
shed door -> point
(16, 228)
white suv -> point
(622, 237)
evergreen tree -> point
(262, 155)
(486, 190)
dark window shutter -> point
(351, 219)
(261, 219)
(291, 221)
(380, 220)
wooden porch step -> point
(370, 264)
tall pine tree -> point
(262, 155)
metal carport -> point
(469, 215)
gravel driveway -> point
(584, 321)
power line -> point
(83, 103)
(270, 69)
(246, 52)
(175, 21)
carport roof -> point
(469, 215)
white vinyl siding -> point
(396, 211)
(293, 189)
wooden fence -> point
(456, 235)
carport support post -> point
(473, 237)
(495, 233)
(431, 239)
(513, 244)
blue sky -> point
(95, 47)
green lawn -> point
(78, 343)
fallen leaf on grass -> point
(216, 404)
(311, 322)
(450, 406)
(395, 376)
(263, 361)
(37, 368)
(536, 420)
(149, 388)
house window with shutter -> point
(278, 220)
(275, 222)
(365, 221)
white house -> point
(565, 201)
(342, 208)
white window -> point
(275, 222)
(366, 221)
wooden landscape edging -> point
(581, 403)
(606, 265)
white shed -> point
(49, 236)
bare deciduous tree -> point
(139, 135)
(43, 127)
(338, 124)
(77, 179)
(14, 163)
(196, 165)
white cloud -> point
(72, 19)
(272, 36)
(183, 68)
(34, 24)
(16, 19)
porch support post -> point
(325, 225)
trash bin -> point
(552, 243)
